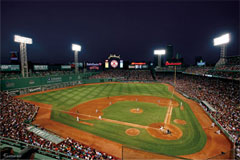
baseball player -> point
(213, 125)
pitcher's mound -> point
(155, 131)
(135, 110)
(179, 121)
(132, 132)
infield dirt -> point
(215, 143)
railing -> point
(42, 151)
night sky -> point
(131, 28)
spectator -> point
(14, 113)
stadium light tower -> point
(76, 48)
(159, 52)
(222, 41)
(23, 53)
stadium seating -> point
(126, 75)
(222, 94)
(15, 115)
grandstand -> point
(220, 91)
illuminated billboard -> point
(201, 63)
(14, 56)
(93, 66)
(40, 67)
(65, 67)
(9, 67)
(138, 65)
(106, 64)
(121, 63)
(173, 63)
(114, 63)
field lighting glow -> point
(76, 47)
(21, 39)
(159, 52)
(221, 40)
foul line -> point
(168, 116)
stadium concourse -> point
(220, 90)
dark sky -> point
(131, 28)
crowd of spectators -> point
(14, 117)
(197, 70)
(224, 71)
(169, 69)
(233, 60)
(126, 75)
(17, 75)
(225, 74)
(222, 94)
(228, 67)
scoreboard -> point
(138, 65)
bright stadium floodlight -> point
(221, 40)
(23, 52)
(21, 39)
(76, 47)
(159, 52)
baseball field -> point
(147, 116)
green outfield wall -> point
(34, 84)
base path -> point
(95, 107)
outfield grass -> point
(193, 139)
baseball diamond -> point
(160, 106)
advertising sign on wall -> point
(40, 67)
(65, 67)
(10, 67)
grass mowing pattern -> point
(193, 139)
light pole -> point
(159, 52)
(222, 41)
(23, 53)
(76, 48)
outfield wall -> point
(36, 84)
